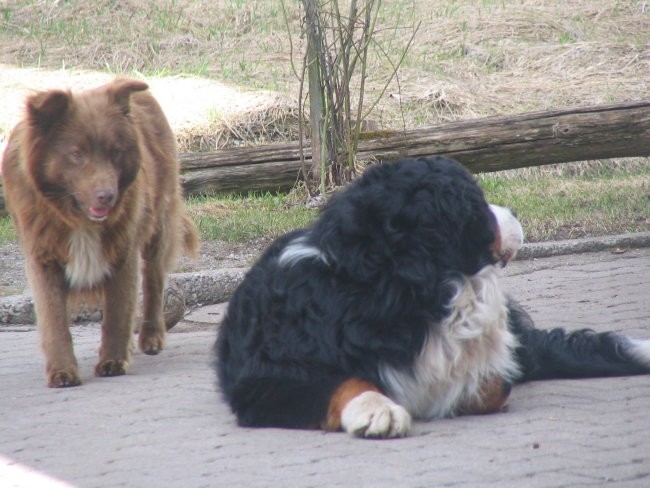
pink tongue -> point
(98, 212)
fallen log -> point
(483, 145)
(241, 178)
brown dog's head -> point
(83, 148)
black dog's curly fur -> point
(366, 286)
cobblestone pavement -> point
(164, 425)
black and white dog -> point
(389, 307)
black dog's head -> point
(417, 220)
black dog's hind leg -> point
(554, 353)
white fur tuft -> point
(512, 235)
(371, 414)
(87, 265)
(297, 249)
(640, 350)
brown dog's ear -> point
(46, 108)
(120, 90)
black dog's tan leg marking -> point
(341, 397)
(361, 410)
(493, 398)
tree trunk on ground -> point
(482, 145)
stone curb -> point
(590, 244)
(216, 286)
(200, 288)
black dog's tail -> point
(546, 354)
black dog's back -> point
(353, 291)
(261, 363)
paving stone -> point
(165, 425)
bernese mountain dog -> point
(388, 307)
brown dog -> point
(91, 182)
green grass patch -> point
(245, 218)
(549, 207)
(7, 232)
(552, 208)
(234, 219)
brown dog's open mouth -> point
(98, 213)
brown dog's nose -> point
(104, 197)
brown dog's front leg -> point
(50, 302)
(153, 330)
(120, 300)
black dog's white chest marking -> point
(471, 344)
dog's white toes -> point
(374, 415)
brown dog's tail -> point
(190, 238)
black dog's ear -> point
(476, 241)
(45, 109)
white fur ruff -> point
(470, 345)
(87, 265)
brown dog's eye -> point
(77, 156)
(116, 154)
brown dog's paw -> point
(151, 342)
(63, 378)
(111, 367)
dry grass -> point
(530, 55)
(223, 71)
(205, 114)
(469, 59)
